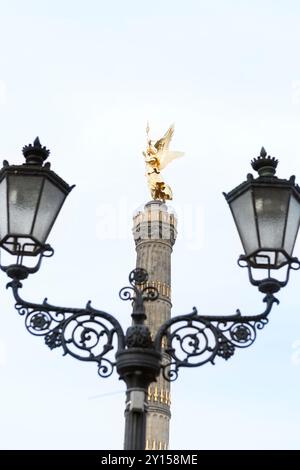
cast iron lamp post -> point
(266, 211)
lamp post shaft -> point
(138, 367)
(135, 426)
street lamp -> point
(266, 211)
(31, 196)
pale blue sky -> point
(85, 77)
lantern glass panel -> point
(292, 225)
(23, 197)
(51, 201)
(244, 216)
(271, 205)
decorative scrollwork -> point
(150, 293)
(86, 334)
(105, 368)
(197, 340)
(53, 339)
(138, 276)
(127, 293)
(189, 340)
(139, 293)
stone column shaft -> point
(155, 234)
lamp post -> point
(266, 211)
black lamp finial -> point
(35, 154)
(264, 164)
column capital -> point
(155, 222)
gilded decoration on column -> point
(157, 157)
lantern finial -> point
(35, 154)
(264, 164)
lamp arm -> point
(85, 333)
(198, 339)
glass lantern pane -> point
(3, 209)
(243, 212)
(23, 197)
(50, 204)
(271, 206)
(292, 225)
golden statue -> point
(157, 157)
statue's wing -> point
(167, 156)
(163, 144)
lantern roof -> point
(266, 168)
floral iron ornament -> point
(198, 339)
(93, 335)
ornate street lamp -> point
(31, 196)
(267, 213)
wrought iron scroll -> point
(84, 333)
(138, 292)
(196, 340)
(138, 335)
(190, 340)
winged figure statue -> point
(157, 157)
